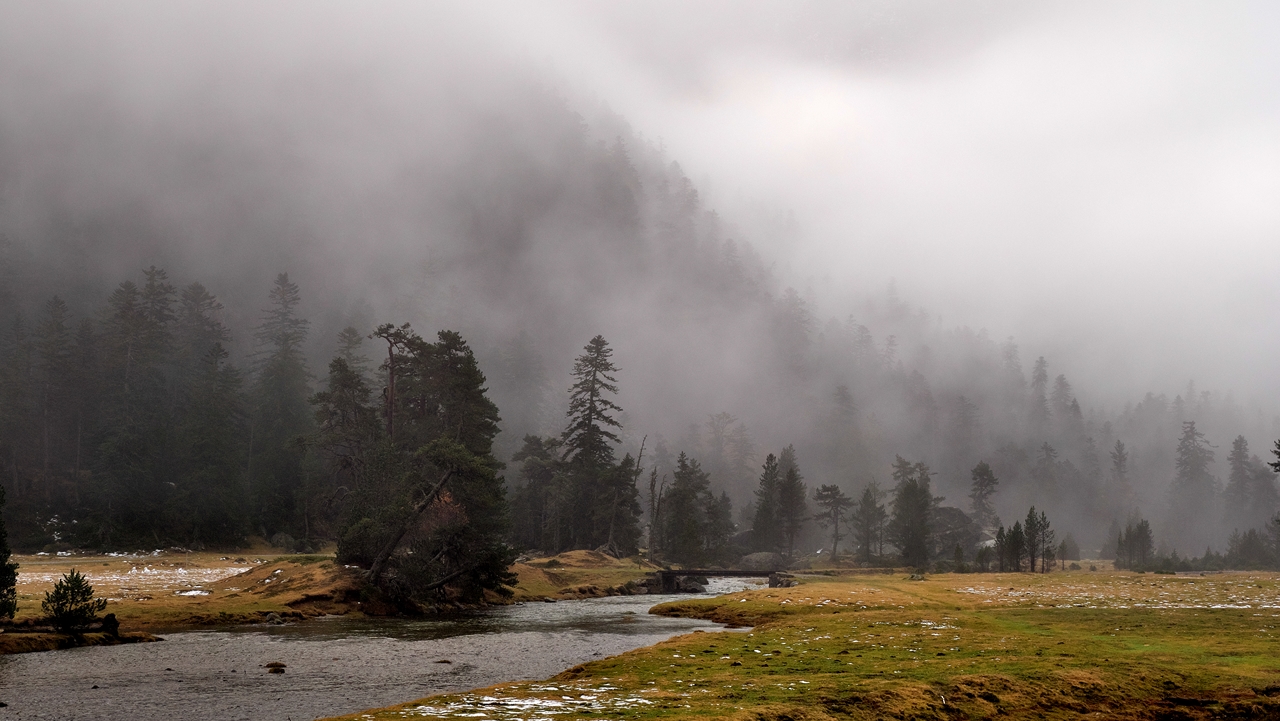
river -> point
(335, 665)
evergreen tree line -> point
(132, 427)
(572, 492)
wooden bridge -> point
(670, 578)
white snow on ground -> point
(1216, 591)
(133, 579)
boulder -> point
(689, 584)
(782, 580)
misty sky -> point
(1099, 180)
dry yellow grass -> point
(175, 590)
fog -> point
(1106, 172)
(1095, 181)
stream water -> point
(334, 665)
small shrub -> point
(1076, 567)
(71, 606)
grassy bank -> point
(1061, 646)
(33, 642)
(167, 591)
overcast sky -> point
(1099, 180)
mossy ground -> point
(576, 574)
(1057, 646)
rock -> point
(284, 542)
(781, 580)
(274, 618)
(686, 584)
(763, 561)
(916, 577)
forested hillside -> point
(170, 302)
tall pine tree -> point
(280, 413)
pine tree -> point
(1193, 492)
(1121, 491)
(1045, 536)
(17, 408)
(910, 527)
(281, 415)
(429, 510)
(791, 509)
(347, 424)
(588, 442)
(1015, 547)
(765, 532)
(1039, 401)
(207, 503)
(834, 503)
(1046, 472)
(603, 492)
(984, 486)
(54, 353)
(687, 533)
(1032, 534)
(869, 517)
(539, 504)
(135, 453)
(351, 351)
(793, 324)
(1236, 496)
(8, 570)
(71, 606)
(210, 503)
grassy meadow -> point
(1064, 645)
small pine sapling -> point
(70, 606)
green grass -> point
(884, 647)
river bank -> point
(164, 591)
(32, 642)
(1056, 646)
